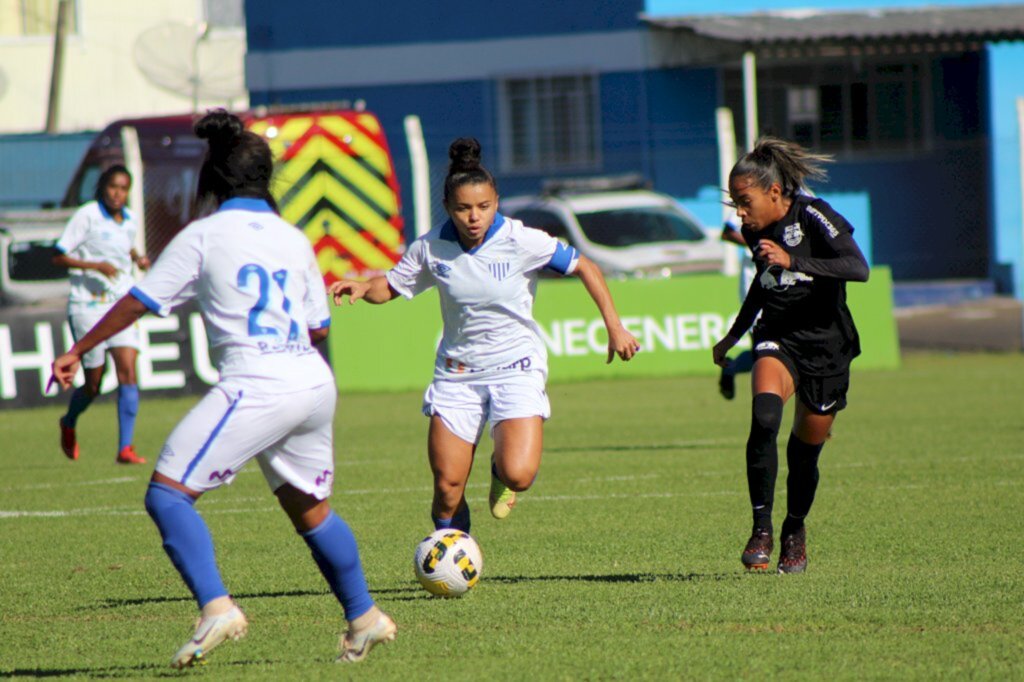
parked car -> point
(27, 272)
(628, 232)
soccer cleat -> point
(502, 498)
(758, 550)
(210, 632)
(727, 384)
(68, 442)
(793, 558)
(128, 456)
(356, 645)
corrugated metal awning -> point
(963, 24)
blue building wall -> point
(1006, 73)
(934, 213)
(273, 25)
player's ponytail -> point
(238, 162)
(464, 167)
(773, 160)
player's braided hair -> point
(464, 167)
(238, 162)
(773, 160)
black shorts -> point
(821, 394)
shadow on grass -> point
(140, 601)
(149, 670)
(617, 578)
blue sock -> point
(76, 406)
(336, 553)
(127, 409)
(460, 520)
(187, 541)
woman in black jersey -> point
(804, 339)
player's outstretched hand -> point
(721, 348)
(354, 290)
(622, 343)
(64, 369)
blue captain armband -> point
(564, 259)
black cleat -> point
(793, 558)
(758, 551)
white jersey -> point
(487, 295)
(92, 234)
(258, 287)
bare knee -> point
(305, 511)
(516, 475)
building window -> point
(843, 108)
(34, 18)
(549, 123)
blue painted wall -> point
(275, 25)
(1006, 66)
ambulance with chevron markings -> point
(335, 180)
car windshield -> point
(638, 225)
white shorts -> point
(82, 321)
(291, 434)
(464, 407)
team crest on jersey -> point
(442, 270)
(793, 235)
(499, 269)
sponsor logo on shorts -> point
(825, 222)
(221, 476)
(829, 406)
(442, 270)
(767, 345)
(324, 478)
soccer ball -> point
(448, 563)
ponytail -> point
(773, 160)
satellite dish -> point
(189, 61)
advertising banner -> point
(173, 355)
(677, 321)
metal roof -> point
(985, 23)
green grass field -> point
(622, 561)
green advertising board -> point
(677, 321)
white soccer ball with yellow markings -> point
(448, 563)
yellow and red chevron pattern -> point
(335, 181)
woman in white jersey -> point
(98, 247)
(264, 305)
(491, 364)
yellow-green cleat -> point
(502, 498)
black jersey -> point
(803, 309)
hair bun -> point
(464, 154)
(219, 127)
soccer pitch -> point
(622, 561)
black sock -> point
(801, 483)
(763, 456)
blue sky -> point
(680, 7)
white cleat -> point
(210, 632)
(355, 645)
